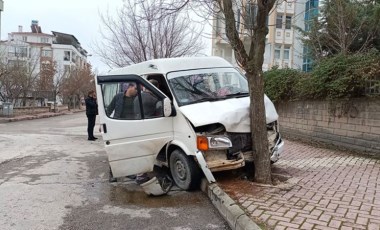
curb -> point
(230, 211)
(37, 116)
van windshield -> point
(202, 85)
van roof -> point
(166, 65)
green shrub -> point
(343, 76)
(279, 83)
(340, 76)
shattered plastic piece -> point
(157, 187)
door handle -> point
(104, 128)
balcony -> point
(284, 36)
(289, 7)
(281, 7)
(286, 7)
(282, 63)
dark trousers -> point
(90, 126)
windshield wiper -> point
(206, 99)
(238, 94)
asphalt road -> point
(51, 177)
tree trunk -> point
(259, 136)
(261, 154)
(252, 63)
(55, 102)
(69, 104)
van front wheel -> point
(184, 170)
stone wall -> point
(20, 111)
(353, 124)
(30, 110)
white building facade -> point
(283, 48)
(35, 48)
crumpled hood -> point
(232, 113)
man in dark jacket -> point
(91, 112)
(122, 104)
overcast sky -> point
(77, 17)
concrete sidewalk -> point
(316, 188)
(40, 115)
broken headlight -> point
(205, 143)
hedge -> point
(341, 76)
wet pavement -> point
(51, 177)
(315, 188)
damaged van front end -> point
(196, 121)
(224, 134)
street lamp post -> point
(1, 10)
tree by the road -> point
(75, 84)
(18, 80)
(344, 27)
(134, 35)
(250, 56)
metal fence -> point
(373, 86)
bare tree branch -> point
(135, 35)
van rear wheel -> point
(185, 172)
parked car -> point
(200, 124)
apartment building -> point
(311, 11)
(283, 48)
(34, 49)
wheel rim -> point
(181, 169)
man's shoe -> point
(132, 177)
(112, 179)
(91, 139)
(95, 138)
(142, 180)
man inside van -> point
(122, 103)
(149, 102)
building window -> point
(44, 40)
(277, 52)
(311, 11)
(288, 22)
(307, 62)
(278, 34)
(289, 4)
(17, 63)
(66, 69)
(21, 52)
(251, 14)
(66, 56)
(287, 34)
(238, 20)
(46, 53)
(279, 21)
(74, 57)
(24, 38)
(286, 53)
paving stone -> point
(372, 226)
(333, 191)
(362, 221)
(325, 217)
(335, 223)
(307, 226)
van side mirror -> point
(167, 107)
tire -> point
(185, 172)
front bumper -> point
(277, 150)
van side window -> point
(151, 105)
(162, 84)
(130, 100)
